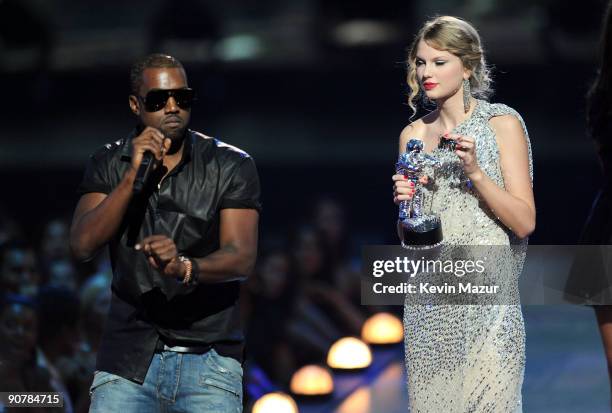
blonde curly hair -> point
(455, 36)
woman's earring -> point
(467, 94)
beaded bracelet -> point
(188, 269)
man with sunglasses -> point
(179, 249)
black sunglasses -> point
(157, 99)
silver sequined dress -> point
(469, 358)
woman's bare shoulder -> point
(413, 129)
(417, 129)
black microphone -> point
(144, 170)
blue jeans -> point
(175, 382)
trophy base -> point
(428, 236)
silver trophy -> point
(417, 229)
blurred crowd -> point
(52, 312)
(304, 295)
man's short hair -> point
(155, 60)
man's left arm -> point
(238, 234)
(235, 258)
(233, 261)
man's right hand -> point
(152, 140)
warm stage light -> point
(382, 328)
(276, 402)
(349, 353)
(312, 381)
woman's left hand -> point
(466, 151)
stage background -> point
(315, 91)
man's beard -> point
(174, 134)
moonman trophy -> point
(417, 229)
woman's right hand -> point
(403, 188)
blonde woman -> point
(468, 358)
